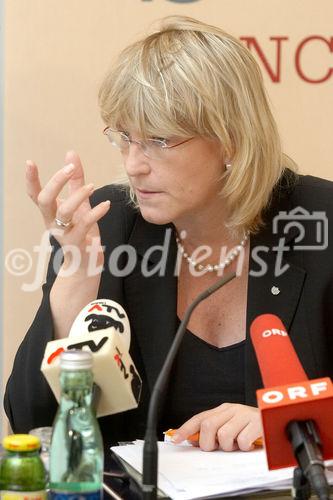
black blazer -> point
(304, 304)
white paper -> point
(187, 472)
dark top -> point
(304, 277)
(204, 377)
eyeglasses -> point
(155, 149)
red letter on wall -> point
(329, 73)
(251, 41)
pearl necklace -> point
(222, 265)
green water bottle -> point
(22, 473)
(76, 454)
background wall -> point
(56, 53)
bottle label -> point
(71, 495)
(23, 495)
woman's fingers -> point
(228, 427)
(76, 208)
(80, 242)
(79, 234)
(32, 180)
(194, 425)
(76, 180)
(47, 197)
(85, 223)
(68, 207)
(250, 433)
(216, 431)
(228, 432)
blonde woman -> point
(206, 178)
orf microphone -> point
(277, 359)
(102, 327)
(292, 407)
(150, 450)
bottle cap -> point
(76, 360)
(21, 442)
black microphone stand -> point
(306, 443)
(150, 449)
(301, 489)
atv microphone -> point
(102, 327)
(292, 407)
(150, 449)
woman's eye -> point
(160, 140)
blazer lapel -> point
(276, 290)
(152, 299)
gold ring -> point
(60, 223)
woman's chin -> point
(155, 216)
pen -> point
(195, 437)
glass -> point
(154, 149)
(44, 434)
(76, 458)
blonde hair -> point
(190, 78)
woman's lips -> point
(142, 193)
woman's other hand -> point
(76, 209)
(228, 427)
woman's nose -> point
(135, 162)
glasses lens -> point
(151, 148)
(118, 139)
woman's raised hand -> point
(72, 221)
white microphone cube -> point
(113, 369)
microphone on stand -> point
(102, 327)
(293, 407)
(150, 449)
